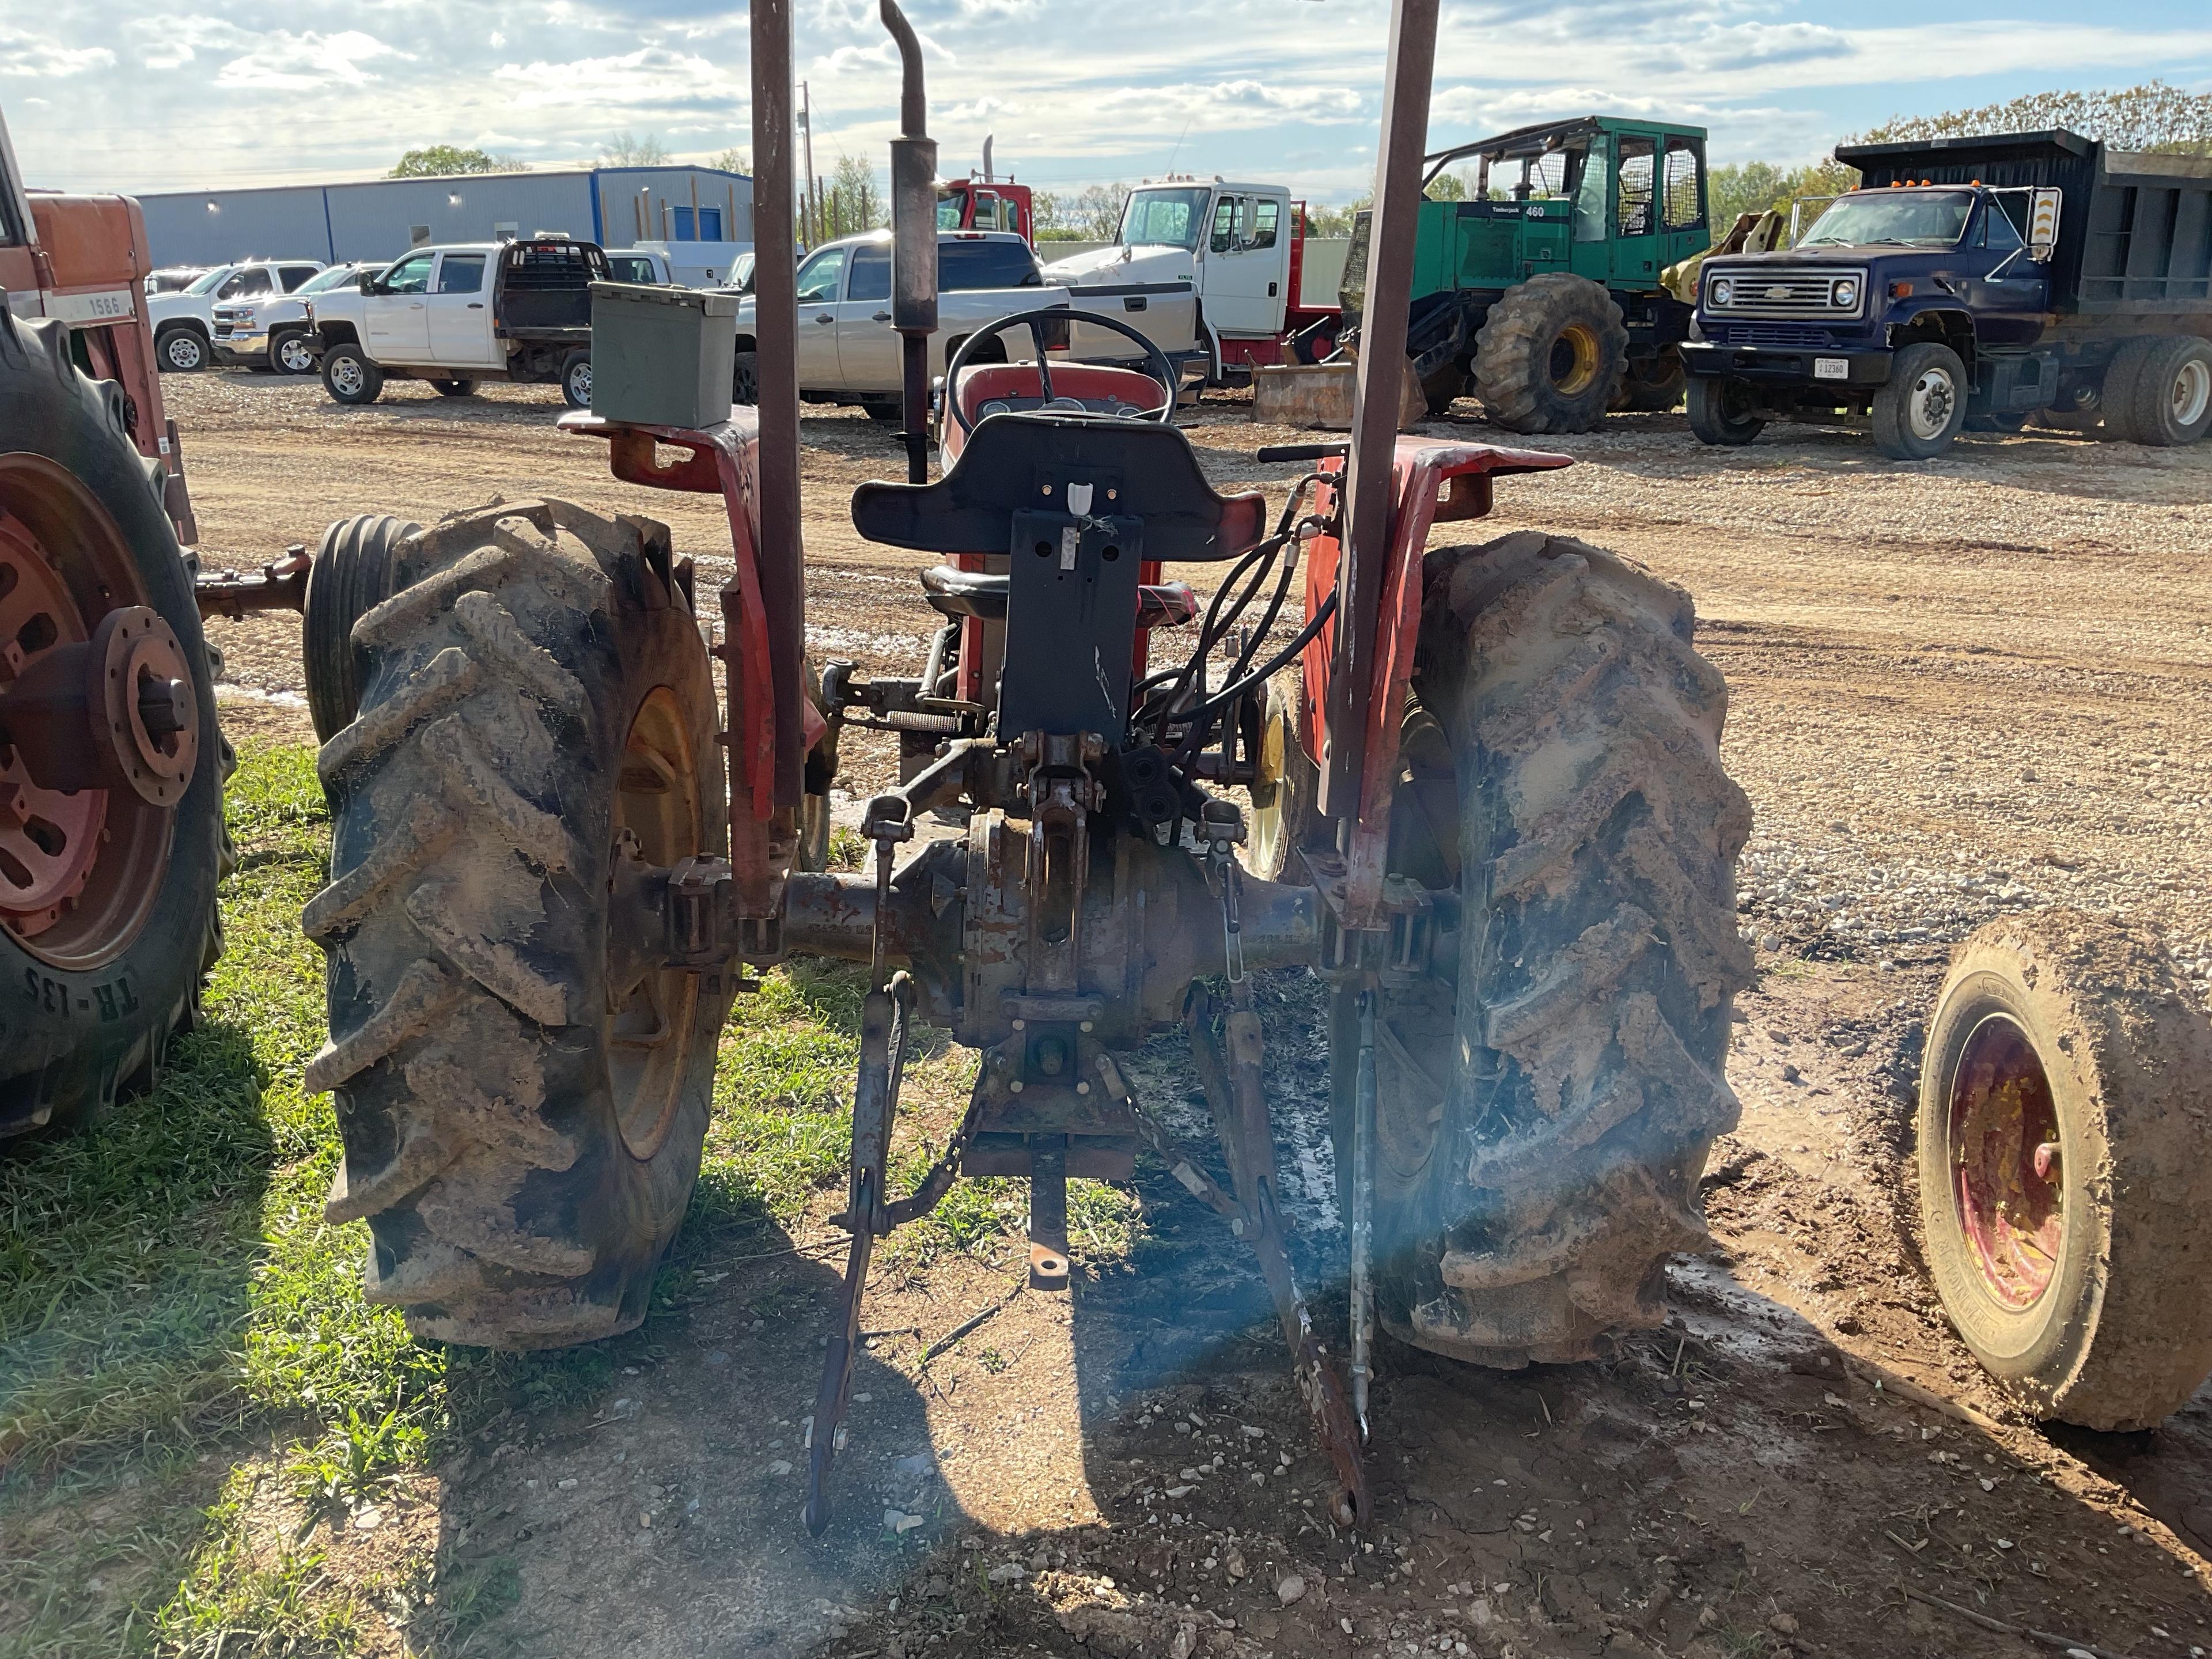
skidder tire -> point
(107, 927)
(1550, 354)
(521, 1130)
(2064, 1195)
(1547, 1100)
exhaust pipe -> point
(914, 245)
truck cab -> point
(1241, 247)
(1972, 283)
(1818, 327)
(987, 205)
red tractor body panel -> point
(1433, 482)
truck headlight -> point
(1724, 291)
(1846, 294)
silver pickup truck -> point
(848, 354)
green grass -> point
(178, 1325)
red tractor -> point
(111, 766)
(1487, 805)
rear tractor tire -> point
(1287, 819)
(1546, 1098)
(1550, 354)
(2065, 1199)
(522, 1127)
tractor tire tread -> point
(1597, 837)
(463, 923)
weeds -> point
(352, 1462)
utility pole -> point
(813, 216)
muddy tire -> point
(1286, 792)
(107, 902)
(745, 378)
(1546, 1098)
(522, 1132)
(355, 570)
(1550, 354)
(1443, 386)
(2065, 1198)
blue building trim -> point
(330, 235)
(598, 230)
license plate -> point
(1831, 368)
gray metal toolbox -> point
(662, 356)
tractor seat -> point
(983, 594)
(1021, 464)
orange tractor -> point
(1486, 803)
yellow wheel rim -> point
(1574, 359)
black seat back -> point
(1024, 463)
(1076, 503)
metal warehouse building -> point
(380, 217)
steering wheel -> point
(1155, 360)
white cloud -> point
(35, 57)
(300, 63)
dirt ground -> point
(1959, 688)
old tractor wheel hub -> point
(2006, 1163)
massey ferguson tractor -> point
(1486, 806)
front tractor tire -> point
(1551, 355)
(522, 1116)
(1545, 1101)
(2065, 1199)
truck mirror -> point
(2043, 225)
(366, 282)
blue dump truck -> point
(1972, 283)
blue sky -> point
(127, 94)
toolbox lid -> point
(705, 302)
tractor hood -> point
(1146, 262)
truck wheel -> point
(356, 569)
(349, 375)
(1550, 354)
(576, 379)
(2168, 399)
(182, 349)
(1653, 384)
(108, 894)
(293, 353)
(2064, 1193)
(1285, 792)
(1718, 411)
(455, 388)
(522, 1113)
(744, 379)
(1546, 1098)
(1918, 412)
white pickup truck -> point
(184, 321)
(849, 354)
(456, 315)
(272, 331)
